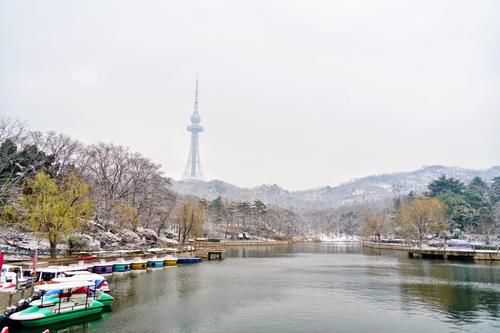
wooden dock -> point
(454, 254)
(210, 250)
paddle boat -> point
(68, 308)
(46, 274)
(138, 263)
(103, 267)
(121, 265)
(12, 277)
(188, 260)
(155, 262)
(170, 261)
(99, 280)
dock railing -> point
(212, 246)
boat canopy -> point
(80, 277)
(65, 285)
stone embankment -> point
(20, 244)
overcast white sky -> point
(298, 93)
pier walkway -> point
(454, 253)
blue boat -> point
(188, 260)
(121, 266)
(155, 262)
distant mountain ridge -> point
(373, 188)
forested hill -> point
(364, 190)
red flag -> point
(35, 260)
(1, 261)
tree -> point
(217, 210)
(421, 217)
(126, 216)
(64, 151)
(260, 209)
(374, 224)
(190, 220)
(444, 185)
(117, 176)
(231, 212)
(56, 210)
(245, 209)
(16, 165)
(495, 190)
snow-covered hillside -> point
(368, 189)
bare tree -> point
(119, 176)
(64, 151)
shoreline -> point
(254, 243)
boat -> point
(68, 308)
(54, 296)
(170, 261)
(99, 280)
(155, 262)
(103, 267)
(47, 274)
(138, 263)
(121, 266)
(188, 260)
(12, 277)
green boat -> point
(68, 308)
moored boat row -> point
(64, 293)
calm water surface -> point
(306, 288)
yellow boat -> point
(138, 263)
(170, 261)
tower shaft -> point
(193, 169)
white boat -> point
(12, 277)
(98, 280)
(44, 275)
(62, 276)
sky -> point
(297, 93)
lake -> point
(310, 287)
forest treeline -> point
(449, 208)
(54, 185)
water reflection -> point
(465, 292)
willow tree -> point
(190, 220)
(421, 217)
(57, 209)
(374, 224)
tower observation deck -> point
(193, 167)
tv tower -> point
(193, 166)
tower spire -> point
(196, 95)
